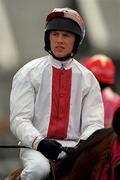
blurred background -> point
(22, 39)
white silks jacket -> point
(55, 99)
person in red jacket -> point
(104, 70)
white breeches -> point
(36, 166)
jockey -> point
(54, 101)
(104, 70)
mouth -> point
(59, 48)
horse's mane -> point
(105, 134)
(67, 163)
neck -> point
(67, 57)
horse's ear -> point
(116, 121)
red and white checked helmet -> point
(65, 19)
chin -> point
(60, 55)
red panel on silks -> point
(61, 90)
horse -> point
(97, 158)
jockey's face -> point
(61, 43)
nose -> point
(59, 38)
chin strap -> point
(68, 56)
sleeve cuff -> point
(36, 142)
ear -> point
(116, 121)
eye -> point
(54, 33)
(66, 35)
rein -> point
(64, 149)
(12, 146)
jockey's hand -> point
(49, 148)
